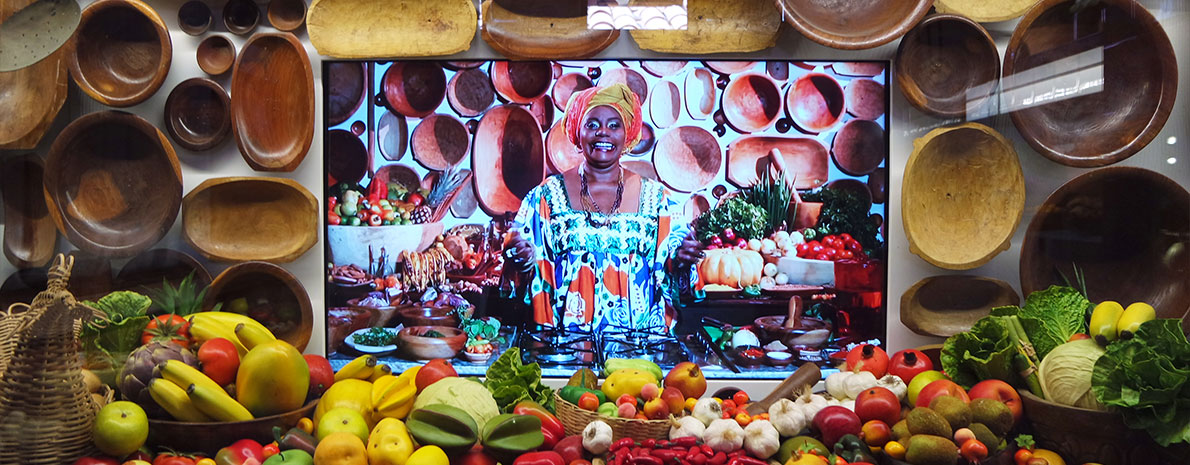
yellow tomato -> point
(1050, 456)
(894, 449)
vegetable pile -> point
(844, 212)
(746, 220)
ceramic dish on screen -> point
(370, 349)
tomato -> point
(743, 418)
(219, 360)
(379, 284)
(333, 219)
(588, 401)
(432, 371)
(830, 242)
(854, 246)
(740, 398)
(169, 327)
(728, 235)
(716, 241)
(845, 237)
(802, 248)
(476, 457)
(415, 199)
(391, 281)
(846, 255)
(816, 248)
(375, 220)
(973, 450)
(169, 458)
(822, 257)
(1022, 456)
(332, 201)
(832, 253)
(878, 403)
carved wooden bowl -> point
(1065, 430)
(440, 142)
(145, 272)
(269, 294)
(415, 344)
(865, 98)
(803, 157)
(522, 81)
(197, 114)
(414, 88)
(853, 25)
(346, 156)
(346, 90)
(210, 437)
(237, 219)
(752, 102)
(815, 102)
(287, 15)
(942, 60)
(194, 17)
(536, 29)
(241, 16)
(420, 315)
(687, 158)
(470, 92)
(507, 157)
(29, 233)
(949, 304)
(273, 118)
(216, 55)
(859, 147)
(122, 52)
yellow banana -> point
(1103, 321)
(216, 404)
(182, 374)
(253, 335)
(380, 370)
(204, 329)
(1132, 317)
(230, 319)
(360, 368)
(174, 400)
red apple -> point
(942, 387)
(434, 370)
(999, 390)
(878, 404)
(834, 422)
(688, 378)
(321, 374)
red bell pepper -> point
(240, 452)
(551, 427)
(540, 458)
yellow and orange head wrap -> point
(617, 96)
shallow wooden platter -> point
(408, 28)
(236, 219)
(949, 304)
(122, 52)
(507, 157)
(718, 26)
(806, 160)
(272, 102)
(29, 233)
(542, 29)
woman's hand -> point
(690, 252)
(518, 251)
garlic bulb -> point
(835, 384)
(707, 410)
(787, 418)
(809, 404)
(857, 383)
(895, 384)
(761, 439)
(724, 435)
(686, 426)
(597, 437)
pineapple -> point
(444, 186)
(421, 215)
(183, 301)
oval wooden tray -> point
(507, 157)
(942, 60)
(122, 52)
(197, 114)
(145, 272)
(392, 136)
(113, 183)
(273, 117)
(534, 33)
(665, 104)
(949, 304)
(29, 233)
(346, 90)
(369, 29)
(852, 25)
(267, 290)
(236, 219)
(687, 158)
(718, 26)
(806, 160)
(700, 93)
(963, 196)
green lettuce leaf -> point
(1055, 313)
(122, 304)
(1146, 377)
(511, 381)
(984, 352)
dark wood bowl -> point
(946, 305)
(858, 147)
(272, 296)
(1140, 79)
(287, 15)
(382, 314)
(346, 90)
(346, 157)
(420, 315)
(194, 17)
(413, 344)
(29, 233)
(1064, 430)
(752, 102)
(963, 196)
(521, 81)
(687, 158)
(665, 105)
(392, 136)
(811, 332)
(507, 157)
(865, 98)
(850, 25)
(342, 321)
(197, 114)
(629, 77)
(815, 102)
(1110, 223)
(145, 272)
(215, 55)
(536, 29)
(369, 29)
(208, 438)
(944, 59)
(803, 157)
(273, 118)
(719, 26)
(236, 219)
(470, 92)
(567, 85)
(414, 88)
(122, 52)
(440, 142)
(112, 183)
(33, 94)
(241, 16)
(700, 93)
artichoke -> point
(138, 370)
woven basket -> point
(575, 419)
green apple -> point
(342, 419)
(120, 428)
(920, 381)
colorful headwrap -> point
(619, 97)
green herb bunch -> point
(747, 220)
(844, 211)
(772, 194)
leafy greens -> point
(746, 220)
(1051, 316)
(510, 381)
(984, 352)
(1148, 378)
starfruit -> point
(511, 434)
(392, 396)
(441, 425)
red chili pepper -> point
(551, 427)
(698, 459)
(548, 457)
(667, 454)
(707, 451)
(718, 459)
(684, 442)
(622, 444)
(747, 460)
(649, 443)
(646, 460)
(663, 443)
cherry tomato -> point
(845, 237)
(853, 245)
(832, 253)
(379, 284)
(728, 403)
(333, 219)
(831, 242)
(802, 248)
(741, 243)
(716, 241)
(743, 418)
(822, 257)
(846, 254)
(740, 398)
(415, 199)
(375, 220)
(1022, 456)
(729, 235)
(816, 248)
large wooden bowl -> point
(413, 343)
(273, 117)
(414, 88)
(1140, 79)
(942, 60)
(349, 245)
(29, 233)
(522, 81)
(865, 98)
(208, 438)
(567, 85)
(215, 55)
(236, 219)
(536, 29)
(853, 25)
(1109, 224)
(946, 305)
(273, 296)
(346, 90)
(346, 157)
(197, 114)
(112, 183)
(145, 272)
(507, 157)
(804, 158)
(440, 142)
(122, 52)
(561, 155)
(962, 197)
(985, 11)
(752, 102)
(1065, 430)
(370, 29)
(382, 314)
(717, 26)
(470, 92)
(687, 158)
(815, 102)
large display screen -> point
(427, 164)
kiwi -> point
(993, 414)
(953, 409)
(900, 431)
(927, 449)
(985, 435)
(923, 420)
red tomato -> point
(415, 199)
(1022, 456)
(321, 374)
(832, 253)
(729, 235)
(845, 255)
(167, 328)
(878, 404)
(476, 457)
(816, 248)
(822, 257)
(588, 401)
(741, 398)
(333, 219)
(172, 459)
(802, 248)
(219, 360)
(973, 450)
(845, 237)
(830, 242)
(854, 246)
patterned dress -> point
(596, 277)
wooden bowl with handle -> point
(122, 52)
(273, 118)
(236, 219)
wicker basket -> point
(575, 419)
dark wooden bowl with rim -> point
(215, 55)
(198, 114)
(942, 60)
(687, 158)
(241, 16)
(346, 90)
(424, 315)
(273, 118)
(270, 295)
(439, 142)
(1064, 429)
(470, 92)
(122, 52)
(286, 15)
(521, 81)
(853, 25)
(414, 88)
(194, 17)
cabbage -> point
(464, 393)
(1066, 374)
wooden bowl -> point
(859, 147)
(34, 30)
(963, 196)
(197, 114)
(942, 60)
(241, 16)
(346, 89)
(1140, 78)
(208, 438)
(561, 155)
(665, 105)
(29, 233)
(382, 314)
(342, 321)
(470, 92)
(32, 94)
(348, 245)
(567, 85)
(946, 305)
(521, 81)
(628, 77)
(811, 332)
(414, 345)
(537, 29)
(465, 202)
(414, 88)
(542, 109)
(663, 68)
(420, 315)
(1111, 223)
(273, 118)
(400, 174)
(853, 26)
(878, 185)
(701, 93)
(717, 26)
(985, 11)
(346, 157)
(370, 29)
(815, 102)
(687, 158)
(642, 168)
(287, 15)
(865, 98)
(858, 68)
(113, 184)
(216, 55)
(273, 296)
(728, 68)
(194, 17)
(237, 219)
(1064, 430)
(440, 142)
(392, 136)
(507, 157)
(145, 272)
(752, 102)
(803, 157)
(122, 52)
(647, 139)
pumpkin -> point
(737, 268)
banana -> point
(360, 368)
(380, 370)
(253, 335)
(230, 319)
(614, 364)
(174, 400)
(204, 329)
(1103, 321)
(182, 374)
(217, 404)
(1132, 317)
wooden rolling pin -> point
(806, 375)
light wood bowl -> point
(567, 85)
(805, 158)
(728, 68)
(348, 245)
(122, 52)
(470, 92)
(687, 158)
(752, 102)
(507, 157)
(414, 345)
(717, 26)
(942, 60)
(270, 291)
(194, 17)
(197, 114)
(536, 29)
(112, 183)
(440, 142)
(985, 11)
(561, 155)
(949, 304)
(236, 219)
(287, 15)
(346, 90)
(865, 98)
(273, 118)
(29, 233)
(370, 29)
(815, 102)
(216, 55)
(665, 105)
(858, 68)
(241, 16)
(852, 25)
(963, 196)
(521, 81)
(414, 88)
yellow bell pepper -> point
(341, 448)
(626, 381)
(428, 455)
(389, 443)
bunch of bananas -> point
(189, 395)
(1111, 321)
(241, 330)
